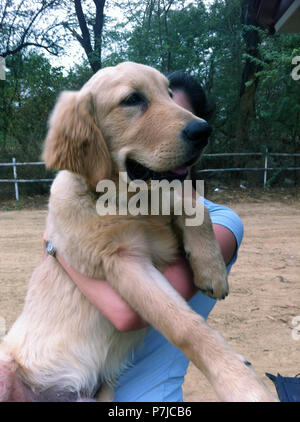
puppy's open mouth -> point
(136, 171)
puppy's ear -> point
(74, 142)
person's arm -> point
(228, 228)
(117, 311)
(101, 295)
(227, 242)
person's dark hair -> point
(202, 106)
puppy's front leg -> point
(151, 295)
(204, 254)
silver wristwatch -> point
(50, 249)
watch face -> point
(50, 249)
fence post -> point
(15, 177)
(266, 167)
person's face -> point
(182, 100)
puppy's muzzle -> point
(196, 134)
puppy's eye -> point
(134, 99)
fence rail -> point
(264, 155)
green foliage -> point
(171, 35)
(278, 95)
(27, 96)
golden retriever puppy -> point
(61, 348)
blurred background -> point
(245, 53)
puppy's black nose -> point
(197, 133)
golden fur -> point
(60, 341)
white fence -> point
(15, 180)
(265, 168)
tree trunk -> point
(249, 80)
(93, 53)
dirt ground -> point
(258, 316)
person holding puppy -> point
(157, 370)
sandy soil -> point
(256, 318)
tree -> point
(28, 95)
(277, 118)
(90, 22)
(23, 25)
(249, 80)
(247, 70)
(167, 35)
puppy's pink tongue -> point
(180, 170)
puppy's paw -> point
(213, 286)
(242, 383)
(211, 278)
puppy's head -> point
(124, 119)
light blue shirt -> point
(158, 368)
